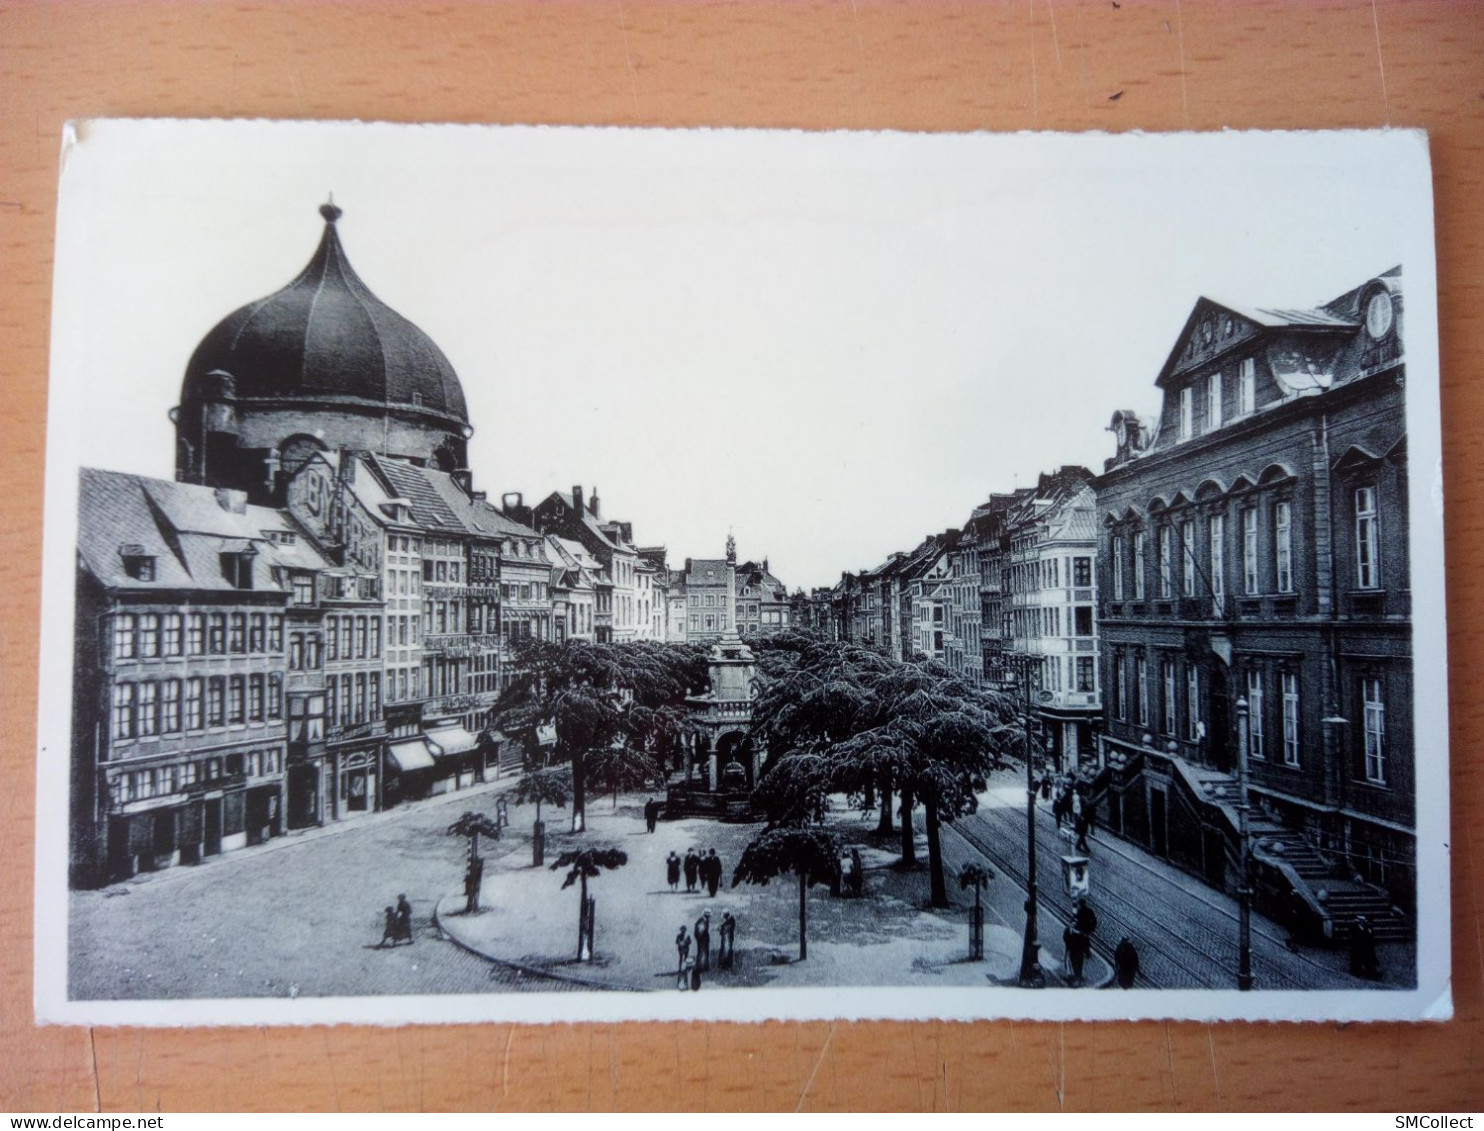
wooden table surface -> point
(1023, 65)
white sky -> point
(831, 344)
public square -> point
(302, 915)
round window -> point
(1378, 315)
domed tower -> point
(321, 365)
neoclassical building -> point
(319, 366)
(1253, 555)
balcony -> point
(458, 645)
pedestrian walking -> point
(682, 947)
(651, 813)
(404, 918)
(1076, 944)
(692, 868)
(389, 930)
(728, 941)
(695, 975)
(703, 941)
(686, 974)
(1046, 786)
(857, 874)
(1082, 827)
(713, 873)
(1126, 963)
(1363, 960)
(672, 870)
(1084, 917)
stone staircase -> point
(1290, 865)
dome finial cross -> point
(329, 211)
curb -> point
(521, 967)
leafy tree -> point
(584, 691)
(472, 826)
(812, 855)
(848, 720)
(585, 864)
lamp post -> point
(1244, 879)
(1031, 974)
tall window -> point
(1187, 412)
(1081, 572)
(1217, 530)
(216, 633)
(195, 634)
(255, 697)
(149, 635)
(216, 701)
(1249, 550)
(1117, 689)
(1085, 675)
(332, 639)
(1141, 691)
(1256, 746)
(1283, 546)
(195, 717)
(1375, 730)
(1116, 567)
(1167, 696)
(123, 710)
(1187, 558)
(123, 637)
(236, 699)
(1247, 388)
(1367, 540)
(170, 706)
(237, 633)
(1192, 702)
(148, 709)
(1213, 401)
(1166, 560)
(1290, 719)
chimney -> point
(463, 479)
(577, 499)
(594, 504)
(233, 502)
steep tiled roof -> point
(184, 527)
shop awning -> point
(449, 741)
(413, 755)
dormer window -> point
(139, 566)
(237, 568)
(1379, 315)
(1187, 412)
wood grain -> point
(854, 65)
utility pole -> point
(1031, 974)
(1244, 880)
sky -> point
(829, 345)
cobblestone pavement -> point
(304, 911)
(1186, 933)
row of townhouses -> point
(1239, 567)
(314, 619)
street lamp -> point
(1031, 974)
(1244, 879)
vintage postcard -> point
(556, 574)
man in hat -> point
(703, 941)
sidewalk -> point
(529, 922)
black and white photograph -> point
(554, 574)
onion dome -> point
(325, 338)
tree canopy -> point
(596, 697)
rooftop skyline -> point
(831, 345)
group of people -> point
(691, 966)
(1069, 806)
(701, 871)
(398, 926)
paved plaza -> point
(303, 914)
